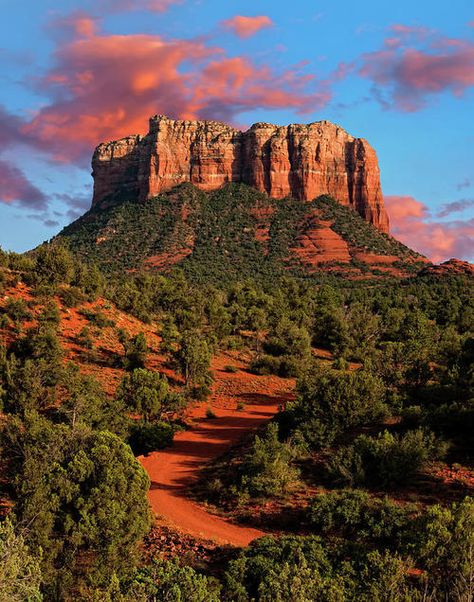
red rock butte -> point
(302, 161)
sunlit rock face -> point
(302, 161)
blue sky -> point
(399, 74)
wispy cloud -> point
(15, 188)
(455, 207)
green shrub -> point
(267, 469)
(286, 569)
(147, 393)
(84, 338)
(305, 569)
(72, 296)
(330, 402)
(170, 582)
(146, 437)
(442, 541)
(20, 574)
(210, 414)
(54, 264)
(136, 350)
(287, 351)
(98, 318)
(355, 514)
(17, 310)
(84, 498)
(385, 460)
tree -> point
(82, 494)
(20, 574)
(136, 350)
(267, 468)
(194, 358)
(444, 543)
(147, 393)
(85, 402)
(386, 459)
(174, 583)
(331, 401)
(54, 264)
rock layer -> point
(302, 161)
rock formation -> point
(303, 161)
(451, 267)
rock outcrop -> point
(302, 161)
(453, 266)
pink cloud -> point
(103, 87)
(245, 27)
(418, 64)
(411, 223)
(16, 188)
(115, 6)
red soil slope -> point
(173, 471)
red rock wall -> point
(303, 161)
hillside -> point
(237, 232)
(128, 440)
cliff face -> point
(302, 161)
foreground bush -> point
(384, 460)
(267, 468)
(83, 496)
(303, 569)
(146, 437)
(20, 574)
(174, 583)
(147, 393)
(332, 401)
(356, 515)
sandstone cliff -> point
(302, 161)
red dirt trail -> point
(174, 470)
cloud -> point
(10, 126)
(16, 188)
(455, 207)
(116, 6)
(416, 65)
(103, 87)
(466, 183)
(411, 222)
(245, 27)
(75, 24)
(77, 203)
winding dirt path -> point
(174, 470)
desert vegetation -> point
(356, 474)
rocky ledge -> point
(302, 161)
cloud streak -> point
(412, 223)
(245, 27)
(455, 207)
(117, 6)
(15, 188)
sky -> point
(401, 75)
